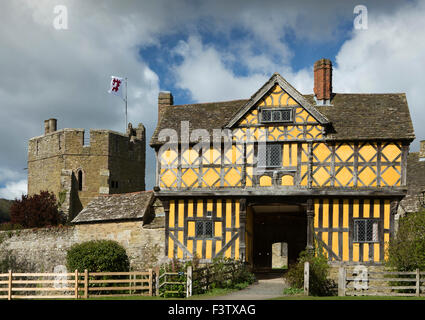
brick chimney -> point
(323, 81)
(165, 98)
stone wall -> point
(40, 250)
(110, 162)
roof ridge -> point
(126, 193)
(204, 103)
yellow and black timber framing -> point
(318, 175)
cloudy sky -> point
(200, 51)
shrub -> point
(406, 251)
(36, 211)
(319, 284)
(98, 256)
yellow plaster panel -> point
(386, 214)
(325, 240)
(217, 228)
(190, 177)
(356, 252)
(179, 250)
(366, 208)
(376, 252)
(345, 211)
(287, 180)
(345, 246)
(325, 213)
(356, 208)
(219, 208)
(208, 249)
(228, 253)
(391, 152)
(265, 181)
(335, 248)
(321, 176)
(191, 228)
(321, 151)
(344, 153)
(376, 209)
(190, 246)
(171, 214)
(228, 214)
(199, 247)
(232, 178)
(316, 213)
(367, 177)
(365, 252)
(181, 214)
(168, 157)
(217, 246)
(190, 208)
(335, 213)
(344, 177)
(210, 177)
(200, 209)
(285, 159)
(304, 153)
(368, 152)
(390, 175)
(168, 177)
(386, 243)
(189, 156)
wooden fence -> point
(75, 285)
(194, 281)
(385, 283)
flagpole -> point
(126, 123)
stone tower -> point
(78, 168)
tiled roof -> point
(125, 206)
(352, 116)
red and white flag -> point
(116, 86)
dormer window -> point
(276, 115)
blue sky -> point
(201, 51)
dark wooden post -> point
(242, 229)
(310, 225)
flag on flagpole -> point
(116, 87)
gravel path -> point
(266, 287)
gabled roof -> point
(279, 80)
(125, 206)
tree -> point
(406, 251)
(36, 211)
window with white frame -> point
(366, 230)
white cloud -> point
(14, 189)
(65, 73)
(387, 57)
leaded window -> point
(276, 115)
(273, 155)
(204, 229)
(366, 230)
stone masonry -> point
(77, 169)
